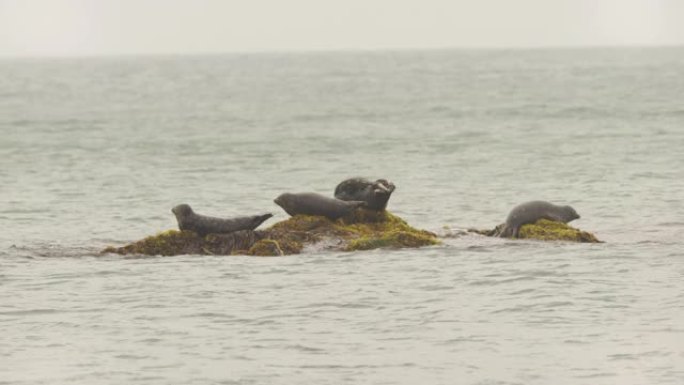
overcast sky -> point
(95, 27)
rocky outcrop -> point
(545, 230)
(360, 230)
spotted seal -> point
(203, 225)
(530, 212)
(375, 194)
(316, 204)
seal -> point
(316, 204)
(530, 212)
(203, 225)
(375, 194)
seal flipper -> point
(259, 219)
(506, 232)
(353, 205)
(349, 207)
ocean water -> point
(95, 152)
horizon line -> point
(308, 51)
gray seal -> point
(530, 212)
(375, 194)
(203, 225)
(316, 204)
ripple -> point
(30, 312)
(492, 282)
(475, 310)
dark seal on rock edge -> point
(530, 212)
(203, 225)
(316, 204)
(375, 194)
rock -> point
(174, 242)
(545, 230)
(360, 230)
(266, 248)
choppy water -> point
(95, 152)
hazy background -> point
(86, 27)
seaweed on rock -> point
(266, 248)
(174, 242)
(546, 230)
(360, 230)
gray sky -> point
(94, 27)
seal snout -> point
(382, 186)
(381, 189)
(573, 214)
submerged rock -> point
(545, 230)
(360, 230)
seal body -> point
(203, 225)
(316, 204)
(375, 194)
(533, 211)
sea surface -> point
(95, 152)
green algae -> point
(394, 240)
(373, 229)
(546, 230)
(167, 243)
(266, 248)
(360, 230)
(174, 242)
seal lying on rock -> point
(203, 225)
(531, 212)
(360, 230)
(375, 194)
(316, 204)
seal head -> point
(530, 212)
(203, 225)
(375, 194)
(316, 204)
(183, 211)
